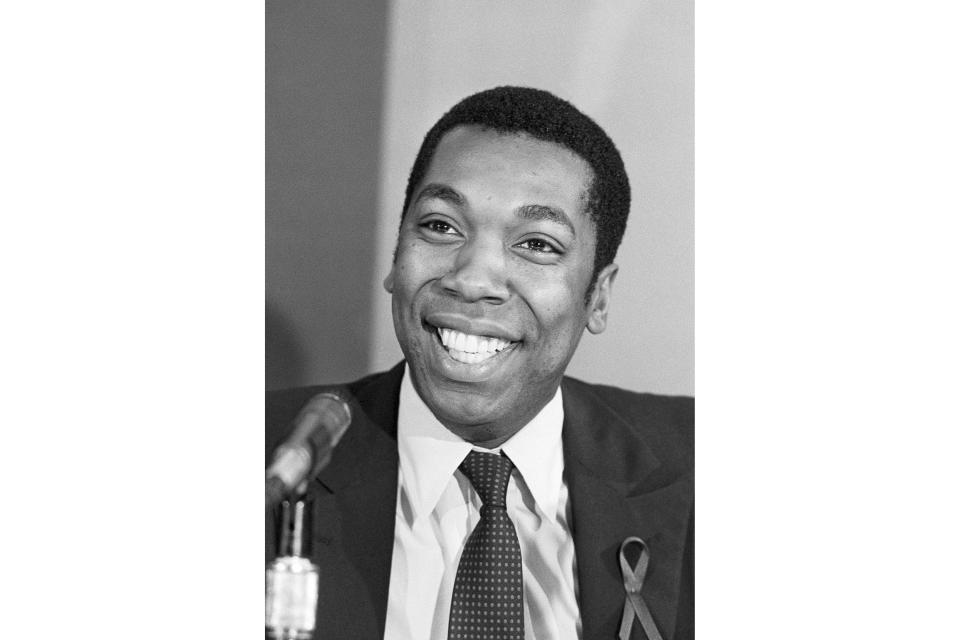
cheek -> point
(406, 271)
(561, 320)
(417, 266)
(557, 306)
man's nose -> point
(479, 273)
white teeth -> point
(473, 344)
(469, 348)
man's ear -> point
(388, 281)
(600, 299)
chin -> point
(462, 407)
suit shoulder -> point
(677, 410)
(664, 421)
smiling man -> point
(479, 492)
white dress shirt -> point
(437, 509)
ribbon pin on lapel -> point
(634, 606)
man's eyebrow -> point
(441, 192)
(543, 212)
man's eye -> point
(538, 245)
(438, 226)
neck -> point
(490, 435)
(481, 437)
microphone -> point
(318, 428)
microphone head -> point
(333, 412)
(328, 409)
(317, 430)
(330, 412)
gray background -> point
(324, 96)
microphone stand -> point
(292, 581)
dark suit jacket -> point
(629, 465)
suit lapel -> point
(356, 504)
(618, 489)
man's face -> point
(493, 263)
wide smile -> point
(470, 348)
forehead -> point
(510, 167)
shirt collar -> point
(430, 453)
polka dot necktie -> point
(488, 591)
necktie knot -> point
(489, 473)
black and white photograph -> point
(479, 323)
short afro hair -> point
(544, 116)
